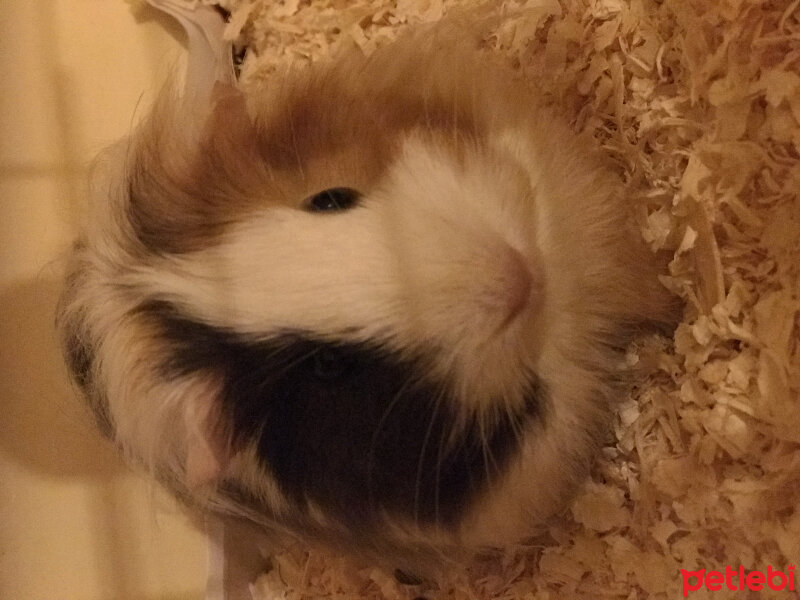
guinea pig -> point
(380, 303)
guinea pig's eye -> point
(332, 199)
(327, 363)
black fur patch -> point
(353, 427)
(80, 359)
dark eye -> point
(327, 363)
(332, 199)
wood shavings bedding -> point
(699, 101)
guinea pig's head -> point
(378, 302)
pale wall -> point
(74, 523)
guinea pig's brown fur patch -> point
(322, 127)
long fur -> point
(490, 254)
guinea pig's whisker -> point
(276, 185)
(443, 443)
(295, 360)
(296, 148)
(514, 419)
(376, 434)
(486, 451)
(129, 139)
(517, 430)
(437, 402)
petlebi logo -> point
(737, 579)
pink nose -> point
(516, 283)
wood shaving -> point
(699, 102)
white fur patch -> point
(422, 262)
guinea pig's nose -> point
(516, 283)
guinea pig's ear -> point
(210, 57)
(207, 449)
